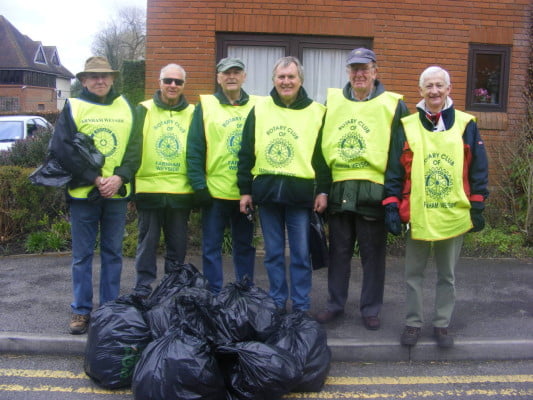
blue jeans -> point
(214, 221)
(87, 218)
(275, 218)
(173, 222)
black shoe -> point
(443, 339)
(372, 322)
(326, 316)
(410, 336)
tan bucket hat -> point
(97, 64)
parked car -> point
(19, 127)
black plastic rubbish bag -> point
(318, 242)
(52, 173)
(117, 336)
(178, 366)
(190, 304)
(257, 371)
(244, 313)
(306, 339)
(181, 275)
(84, 145)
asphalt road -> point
(24, 377)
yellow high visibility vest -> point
(285, 138)
(223, 124)
(439, 206)
(356, 136)
(110, 127)
(163, 167)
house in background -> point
(31, 75)
(486, 46)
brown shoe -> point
(442, 337)
(372, 322)
(79, 324)
(410, 336)
(326, 316)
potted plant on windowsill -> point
(481, 95)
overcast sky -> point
(70, 25)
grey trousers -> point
(446, 253)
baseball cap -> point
(228, 62)
(360, 56)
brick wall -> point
(30, 97)
(408, 36)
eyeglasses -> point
(365, 69)
(168, 81)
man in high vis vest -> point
(360, 119)
(214, 142)
(436, 182)
(282, 171)
(163, 195)
(97, 197)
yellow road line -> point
(419, 380)
(52, 389)
(41, 373)
(341, 380)
(409, 394)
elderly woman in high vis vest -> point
(436, 183)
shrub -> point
(129, 245)
(28, 152)
(133, 81)
(41, 241)
(496, 242)
(22, 205)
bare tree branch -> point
(123, 37)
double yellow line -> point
(325, 394)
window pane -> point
(259, 61)
(487, 80)
(323, 69)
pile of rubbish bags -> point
(183, 342)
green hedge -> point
(133, 81)
(25, 208)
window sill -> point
(490, 120)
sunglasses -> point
(168, 81)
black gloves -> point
(476, 216)
(393, 224)
(202, 198)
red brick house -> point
(31, 75)
(486, 46)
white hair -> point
(432, 71)
(284, 62)
(172, 66)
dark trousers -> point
(173, 222)
(214, 221)
(345, 229)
